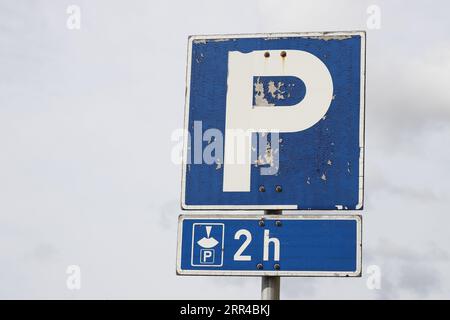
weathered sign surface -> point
(275, 122)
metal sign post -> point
(270, 285)
(270, 288)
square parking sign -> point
(274, 121)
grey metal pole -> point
(270, 288)
(270, 285)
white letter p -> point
(244, 118)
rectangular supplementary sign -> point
(275, 121)
(280, 245)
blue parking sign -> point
(274, 121)
(279, 245)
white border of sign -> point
(184, 206)
(356, 273)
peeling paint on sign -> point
(321, 167)
(259, 96)
(334, 37)
(281, 91)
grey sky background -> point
(86, 117)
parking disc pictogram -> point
(207, 244)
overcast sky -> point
(86, 118)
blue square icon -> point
(207, 244)
(206, 256)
